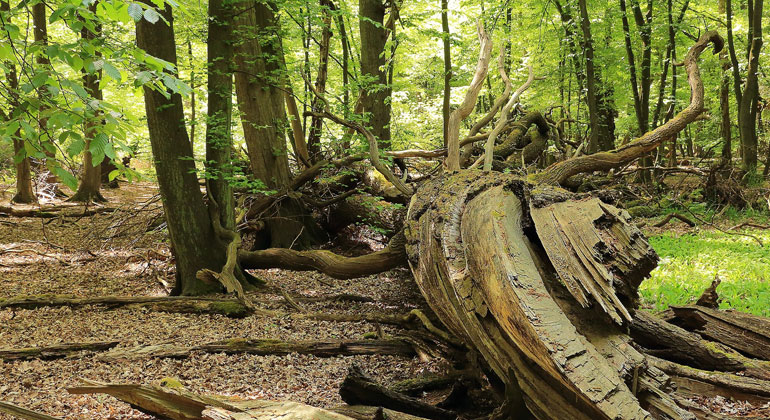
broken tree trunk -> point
(23, 413)
(484, 248)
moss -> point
(172, 383)
(231, 309)
(371, 335)
(236, 342)
(642, 211)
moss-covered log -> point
(54, 352)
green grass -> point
(689, 263)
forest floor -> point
(111, 255)
(119, 253)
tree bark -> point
(24, 191)
(447, 67)
(314, 137)
(376, 92)
(747, 111)
(91, 175)
(187, 216)
(40, 23)
(258, 84)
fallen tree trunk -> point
(171, 401)
(749, 334)
(320, 348)
(55, 351)
(47, 212)
(358, 389)
(490, 283)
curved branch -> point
(490, 145)
(604, 161)
(453, 127)
(499, 102)
(327, 262)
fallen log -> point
(416, 386)
(358, 389)
(171, 401)
(53, 352)
(23, 413)
(48, 212)
(697, 382)
(668, 341)
(364, 412)
(320, 348)
(175, 304)
(747, 333)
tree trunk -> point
(219, 140)
(376, 93)
(314, 135)
(747, 112)
(91, 175)
(258, 81)
(447, 66)
(725, 127)
(24, 192)
(40, 23)
(188, 219)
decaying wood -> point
(710, 297)
(671, 216)
(490, 284)
(327, 262)
(170, 400)
(671, 342)
(416, 386)
(23, 413)
(48, 212)
(365, 412)
(747, 333)
(559, 172)
(697, 382)
(320, 348)
(358, 389)
(466, 107)
(54, 352)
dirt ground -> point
(112, 254)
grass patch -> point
(689, 263)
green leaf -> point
(151, 15)
(76, 147)
(112, 72)
(66, 177)
(135, 11)
(113, 174)
(39, 79)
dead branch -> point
(327, 262)
(671, 216)
(23, 413)
(54, 352)
(319, 348)
(604, 161)
(453, 126)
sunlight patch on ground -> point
(689, 263)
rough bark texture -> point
(328, 348)
(376, 93)
(53, 352)
(478, 253)
(258, 83)
(187, 216)
(24, 192)
(747, 111)
(91, 175)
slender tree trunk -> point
(733, 57)
(219, 85)
(447, 65)
(601, 132)
(259, 80)
(345, 74)
(195, 245)
(316, 123)
(725, 127)
(376, 97)
(91, 175)
(747, 112)
(40, 31)
(24, 191)
(193, 121)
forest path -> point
(113, 254)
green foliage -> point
(690, 262)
